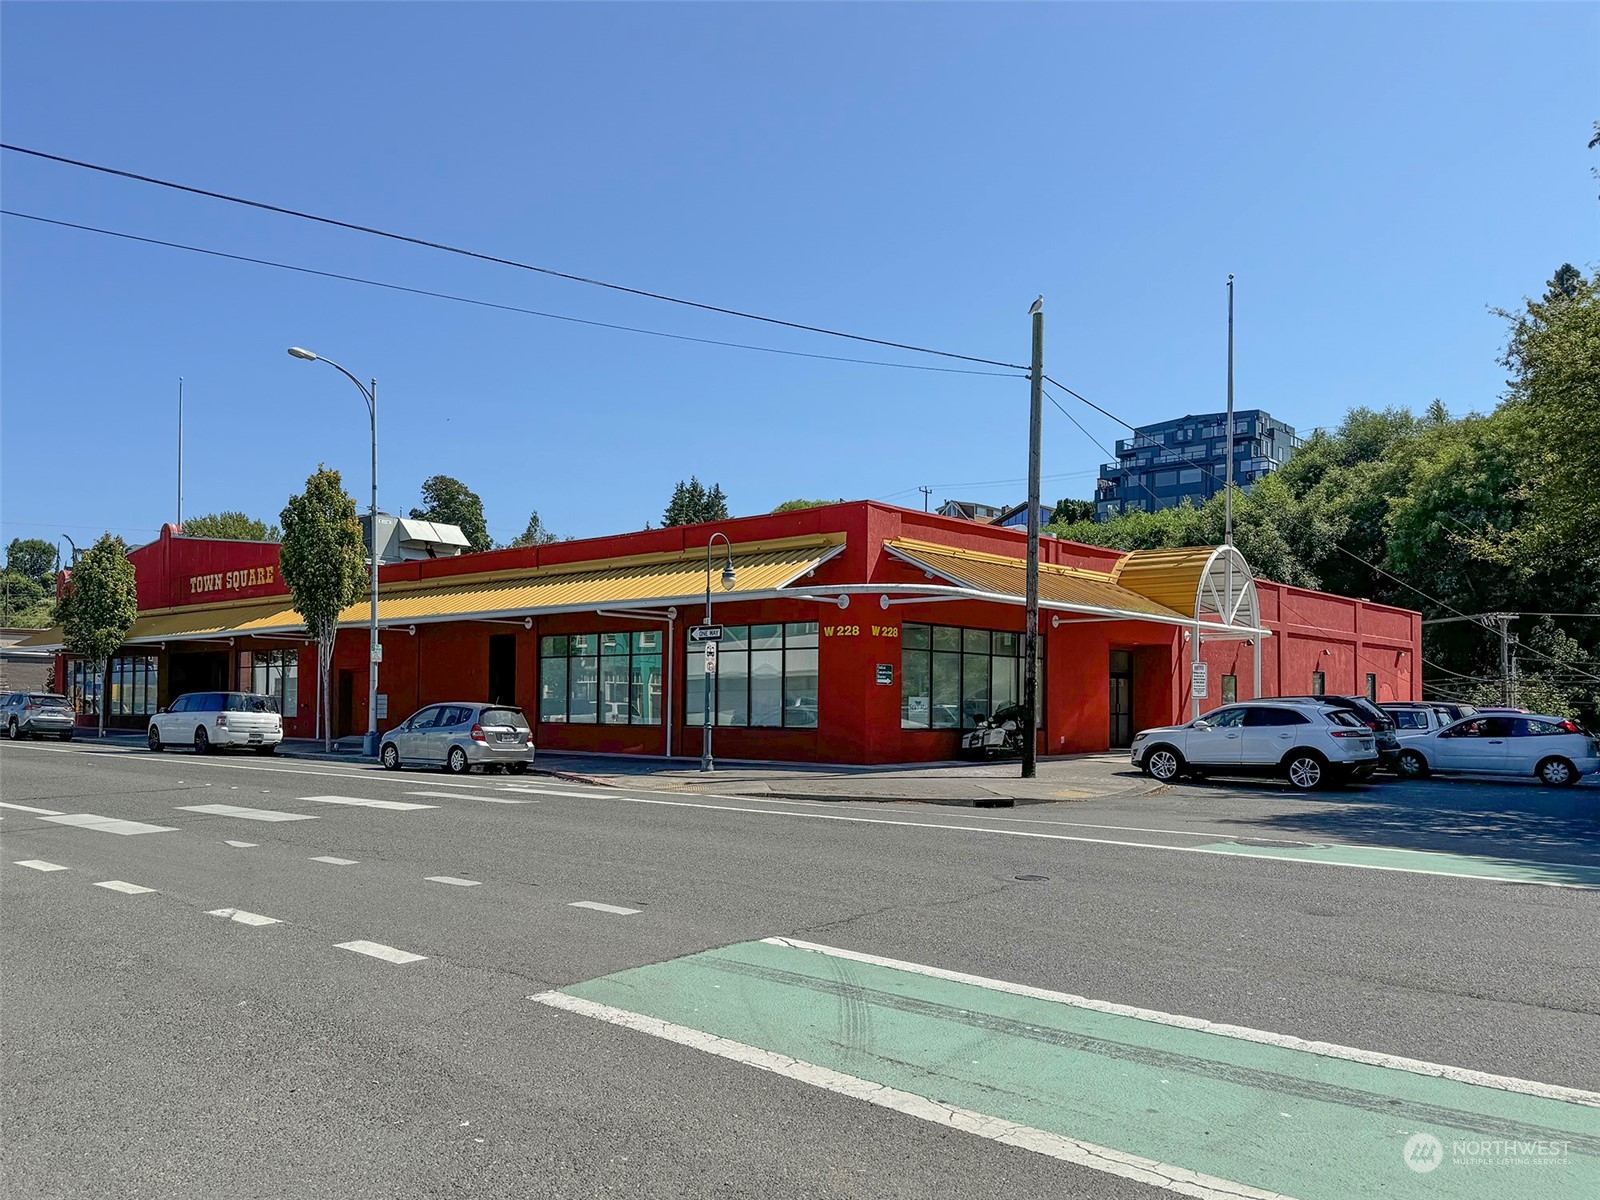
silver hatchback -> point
(37, 714)
(459, 737)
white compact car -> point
(1311, 745)
(1553, 750)
(217, 720)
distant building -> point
(1186, 459)
(1016, 517)
(969, 510)
(23, 670)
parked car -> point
(1309, 743)
(37, 714)
(1370, 715)
(1554, 750)
(1452, 709)
(211, 721)
(1413, 719)
(459, 737)
(997, 734)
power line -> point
(396, 287)
(505, 262)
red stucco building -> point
(853, 633)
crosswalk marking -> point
(362, 802)
(108, 824)
(469, 796)
(120, 885)
(242, 917)
(452, 879)
(38, 864)
(247, 814)
(605, 908)
(378, 950)
(332, 861)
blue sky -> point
(1377, 176)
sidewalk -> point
(979, 784)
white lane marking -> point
(337, 862)
(360, 802)
(452, 879)
(1372, 1058)
(119, 885)
(605, 794)
(1070, 1150)
(605, 908)
(465, 796)
(247, 814)
(38, 864)
(242, 917)
(377, 950)
(239, 845)
(48, 812)
(108, 824)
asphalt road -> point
(154, 1049)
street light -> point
(706, 763)
(369, 393)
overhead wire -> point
(481, 256)
(512, 308)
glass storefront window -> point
(952, 678)
(600, 678)
(129, 685)
(766, 677)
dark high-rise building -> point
(1164, 464)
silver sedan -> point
(459, 737)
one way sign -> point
(705, 633)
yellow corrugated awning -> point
(1059, 586)
(173, 623)
(44, 639)
(1170, 577)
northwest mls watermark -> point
(1424, 1152)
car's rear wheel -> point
(517, 768)
(456, 761)
(390, 757)
(202, 741)
(1557, 772)
(1306, 770)
(1163, 763)
(1411, 765)
(12, 731)
(153, 740)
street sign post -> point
(1199, 680)
(705, 633)
(711, 659)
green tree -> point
(234, 526)
(451, 502)
(33, 557)
(1068, 512)
(24, 600)
(535, 534)
(98, 606)
(798, 505)
(323, 563)
(692, 503)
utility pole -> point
(1227, 502)
(1030, 641)
(927, 494)
(180, 451)
(1503, 620)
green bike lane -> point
(1169, 1101)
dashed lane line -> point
(335, 862)
(245, 814)
(43, 812)
(459, 882)
(239, 845)
(615, 909)
(122, 885)
(363, 802)
(469, 796)
(243, 918)
(38, 864)
(378, 950)
(108, 824)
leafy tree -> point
(451, 502)
(1066, 512)
(798, 505)
(234, 526)
(33, 557)
(534, 535)
(98, 606)
(323, 563)
(692, 503)
(24, 601)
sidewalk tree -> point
(692, 503)
(448, 501)
(535, 534)
(234, 526)
(97, 608)
(323, 563)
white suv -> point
(212, 720)
(1308, 743)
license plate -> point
(508, 737)
(255, 737)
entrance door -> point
(1121, 698)
(345, 704)
(503, 668)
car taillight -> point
(222, 720)
(477, 733)
(529, 738)
(1352, 733)
(1570, 727)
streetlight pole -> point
(706, 762)
(369, 393)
